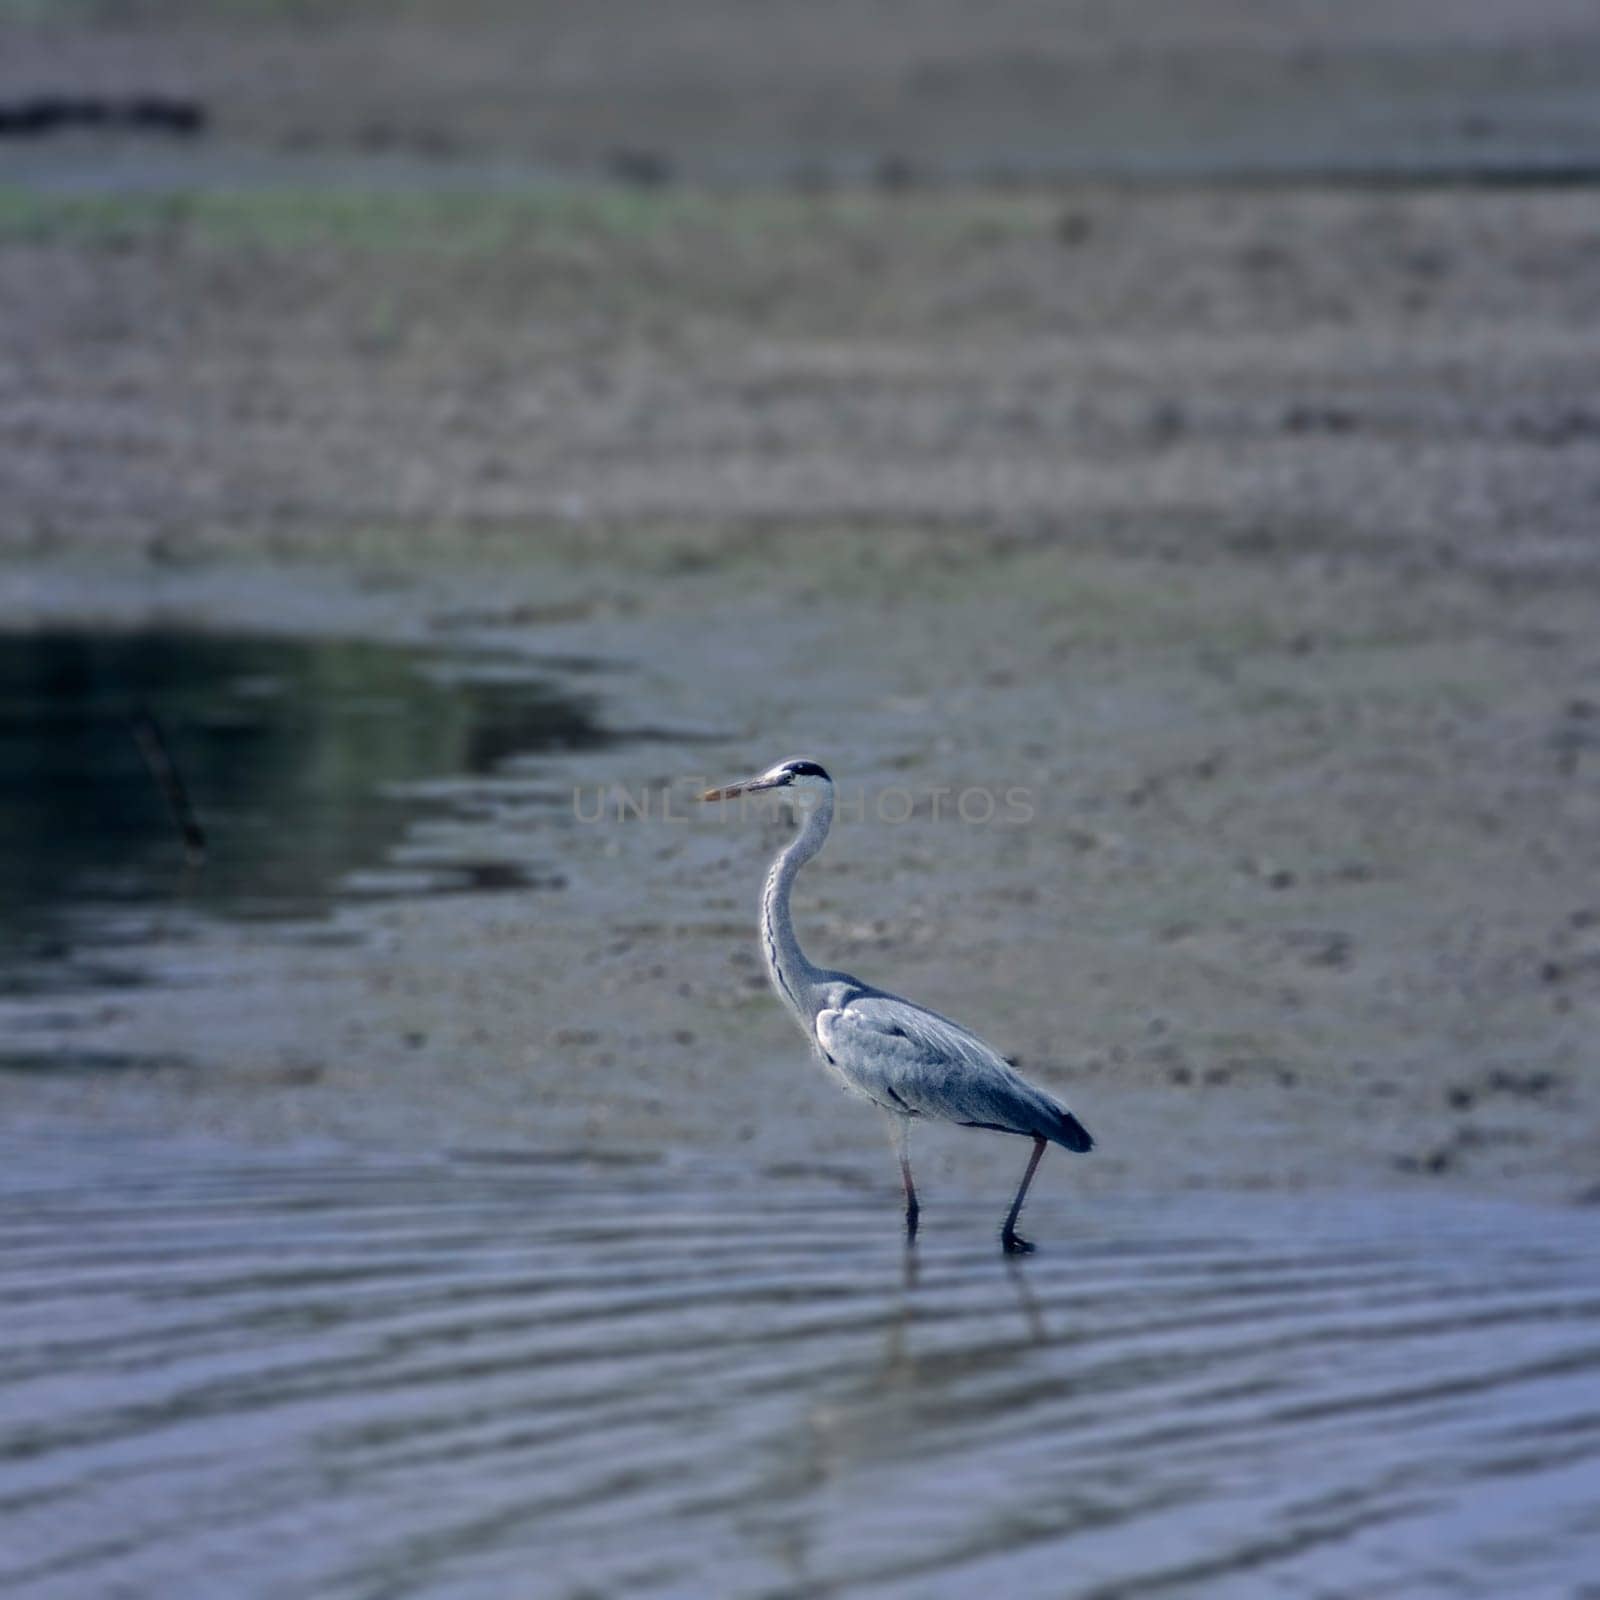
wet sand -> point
(1249, 531)
(709, 90)
(1289, 911)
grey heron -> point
(909, 1061)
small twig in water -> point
(153, 747)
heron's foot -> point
(1014, 1244)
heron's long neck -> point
(794, 976)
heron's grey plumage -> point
(919, 1064)
(910, 1061)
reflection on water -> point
(346, 1377)
(292, 751)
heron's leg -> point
(1013, 1245)
(900, 1133)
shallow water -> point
(306, 763)
(324, 1374)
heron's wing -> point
(921, 1064)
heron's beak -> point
(746, 786)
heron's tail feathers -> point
(1071, 1134)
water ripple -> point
(348, 1376)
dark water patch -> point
(447, 877)
(493, 877)
(91, 1062)
(342, 1375)
(304, 763)
(37, 116)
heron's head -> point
(801, 781)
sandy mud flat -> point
(1248, 531)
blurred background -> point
(433, 438)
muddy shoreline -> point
(1204, 937)
(1249, 529)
